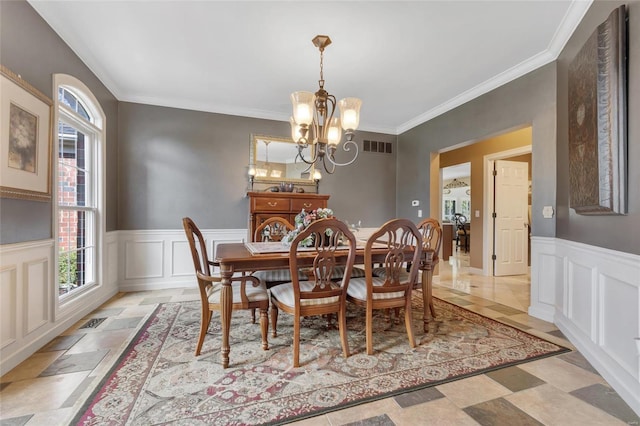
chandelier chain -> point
(321, 82)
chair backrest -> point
(272, 229)
(399, 238)
(198, 246)
(460, 220)
(431, 237)
(330, 238)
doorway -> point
(455, 196)
(477, 266)
(520, 154)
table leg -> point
(226, 302)
(427, 280)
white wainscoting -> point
(593, 295)
(159, 259)
(30, 312)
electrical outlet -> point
(420, 213)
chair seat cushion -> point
(338, 272)
(254, 294)
(358, 289)
(382, 273)
(284, 294)
(277, 276)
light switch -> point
(477, 213)
(419, 212)
(547, 212)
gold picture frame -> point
(25, 139)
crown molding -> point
(569, 23)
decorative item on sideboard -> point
(286, 187)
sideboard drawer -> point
(307, 204)
(287, 205)
(271, 204)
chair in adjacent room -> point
(318, 295)
(431, 241)
(462, 232)
(248, 291)
(402, 242)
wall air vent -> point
(375, 146)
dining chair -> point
(402, 242)
(431, 241)
(245, 296)
(318, 295)
(273, 230)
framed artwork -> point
(25, 139)
(597, 83)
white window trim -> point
(71, 303)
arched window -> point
(80, 186)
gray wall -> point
(538, 98)
(529, 100)
(174, 163)
(616, 232)
(184, 162)
(29, 47)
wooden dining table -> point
(245, 257)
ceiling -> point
(456, 172)
(407, 61)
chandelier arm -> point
(308, 169)
(331, 169)
(345, 147)
(301, 157)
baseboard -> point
(593, 295)
(624, 384)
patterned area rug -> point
(158, 380)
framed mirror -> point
(274, 161)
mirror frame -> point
(261, 179)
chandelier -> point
(455, 183)
(313, 122)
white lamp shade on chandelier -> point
(313, 121)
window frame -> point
(95, 135)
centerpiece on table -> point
(302, 221)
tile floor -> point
(49, 387)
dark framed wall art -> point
(597, 83)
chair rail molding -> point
(161, 258)
(593, 295)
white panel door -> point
(511, 221)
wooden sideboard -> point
(447, 240)
(263, 205)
